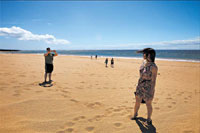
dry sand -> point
(87, 97)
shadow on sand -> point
(46, 84)
(144, 127)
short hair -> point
(48, 49)
(149, 51)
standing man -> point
(106, 62)
(49, 64)
(112, 62)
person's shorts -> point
(48, 68)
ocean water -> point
(179, 55)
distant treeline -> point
(9, 50)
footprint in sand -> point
(22, 75)
(173, 102)
(60, 132)
(74, 100)
(18, 91)
(68, 130)
(185, 98)
(156, 99)
(16, 86)
(169, 98)
(117, 110)
(188, 131)
(125, 101)
(79, 118)
(98, 117)
(38, 91)
(21, 83)
(1, 89)
(69, 124)
(124, 113)
(49, 90)
(64, 91)
(64, 95)
(89, 129)
(179, 94)
(117, 124)
(16, 94)
(129, 108)
(94, 105)
(169, 106)
(129, 116)
(79, 87)
(27, 89)
(157, 108)
(33, 84)
(66, 88)
(182, 92)
(108, 111)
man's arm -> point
(56, 54)
(46, 53)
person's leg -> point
(49, 76)
(51, 70)
(149, 109)
(137, 105)
(45, 77)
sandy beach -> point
(85, 96)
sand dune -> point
(85, 96)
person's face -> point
(147, 57)
(144, 56)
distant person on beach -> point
(49, 64)
(112, 62)
(106, 62)
(146, 84)
(91, 56)
(96, 56)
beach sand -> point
(85, 96)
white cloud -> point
(195, 41)
(175, 44)
(21, 34)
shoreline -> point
(116, 57)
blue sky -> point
(99, 25)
